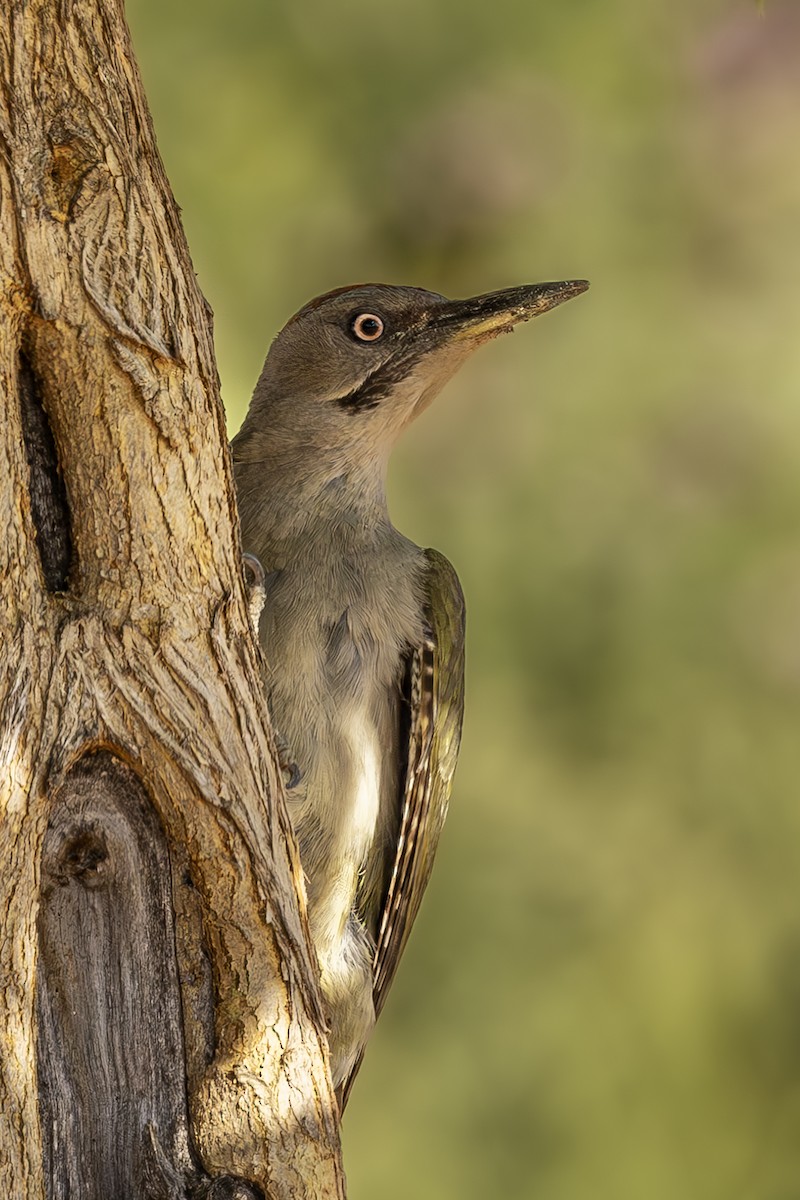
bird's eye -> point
(367, 327)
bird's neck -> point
(293, 501)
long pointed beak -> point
(485, 316)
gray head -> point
(354, 367)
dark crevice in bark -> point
(226, 1188)
(48, 495)
(110, 1050)
(197, 975)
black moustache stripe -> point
(379, 384)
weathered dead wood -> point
(107, 969)
(136, 767)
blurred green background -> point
(602, 997)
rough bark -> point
(153, 951)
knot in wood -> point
(83, 857)
(70, 162)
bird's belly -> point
(345, 811)
(336, 659)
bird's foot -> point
(255, 585)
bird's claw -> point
(286, 763)
(295, 775)
(254, 572)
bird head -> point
(354, 367)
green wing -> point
(434, 709)
(435, 699)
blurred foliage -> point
(602, 998)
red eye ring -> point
(367, 327)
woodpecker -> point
(362, 630)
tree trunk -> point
(161, 1025)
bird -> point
(362, 630)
